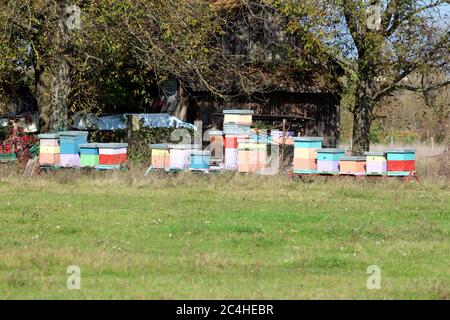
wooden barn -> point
(306, 111)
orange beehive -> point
(352, 166)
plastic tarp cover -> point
(119, 121)
(29, 122)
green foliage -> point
(375, 134)
(139, 150)
(378, 59)
(3, 133)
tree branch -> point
(352, 23)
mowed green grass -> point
(222, 237)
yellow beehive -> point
(50, 149)
(305, 153)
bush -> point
(3, 134)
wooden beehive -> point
(179, 156)
(277, 137)
(352, 166)
(328, 160)
(199, 160)
(401, 162)
(49, 150)
(239, 117)
(245, 148)
(160, 156)
(376, 163)
(89, 155)
(305, 154)
(231, 152)
(112, 155)
(237, 122)
(70, 147)
(216, 146)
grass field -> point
(222, 237)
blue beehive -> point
(70, 141)
(199, 160)
(308, 142)
(70, 147)
(328, 160)
(236, 129)
(401, 155)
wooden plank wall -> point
(324, 108)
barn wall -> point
(324, 108)
(21, 100)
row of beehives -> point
(70, 149)
(226, 152)
(311, 158)
(244, 154)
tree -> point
(380, 44)
(437, 98)
(37, 36)
(121, 48)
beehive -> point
(231, 152)
(237, 122)
(376, 163)
(328, 160)
(89, 155)
(247, 160)
(49, 150)
(70, 147)
(235, 129)
(401, 162)
(216, 146)
(259, 156)
(352, 166)
(160, 156)
(179, 156)
(240, 117)
(252, 153)
(305, 154)
(199, 160)
(112, 155)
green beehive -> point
(89, 155)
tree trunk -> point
(183, 105)
(52, 94)
(362, 120)
(52, 79)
